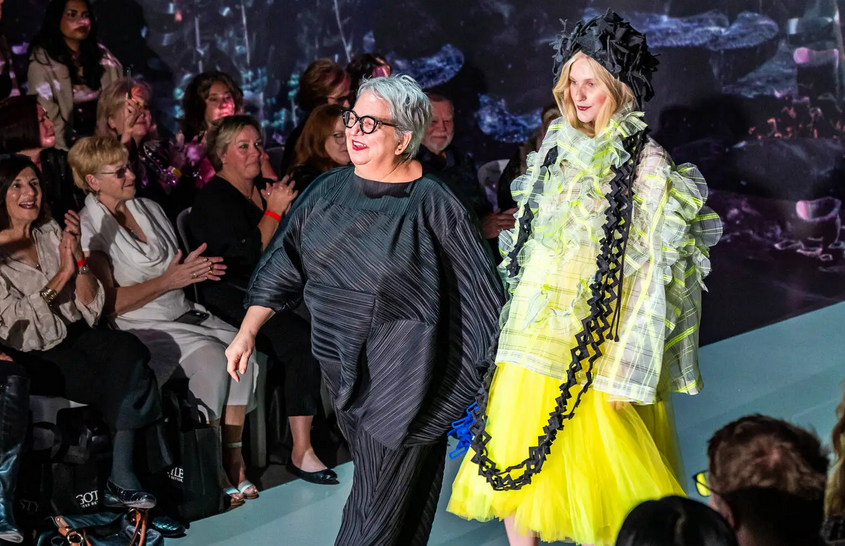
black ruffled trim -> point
(605, 301)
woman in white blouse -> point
(133, 251)
(49, 305)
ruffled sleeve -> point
(527, 190)
(666, 261)
(27, 323)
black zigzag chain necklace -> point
(602, 322)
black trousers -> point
(286, 338)
(394, 493)
(106, 369)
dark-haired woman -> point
(49, 306)
(208, 97)
(68, 68)
(27, 130)
(322, 146)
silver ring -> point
(194, 275)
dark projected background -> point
(749, 90)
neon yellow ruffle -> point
(666, 261)
(602, 464)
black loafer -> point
(116, 497)
(168, 527)
(321, 477)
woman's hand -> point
(279, 195)
(196, 150)
(73, 227)
(67, 261)
(131, 112)
(180, 274)
(218, 269)
(178, 152)
(493, 224)
(238, 353)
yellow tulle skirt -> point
(603, 463)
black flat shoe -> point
(321, 477)
(168, 527)
(116, 497)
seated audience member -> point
(834, 526)
(25, 129)
(323, 82)
(125, 112)
(322, 146)
(68, 68)
(517, 166)
(767, 478)
(457, 169)
(208, 97)
(132, 250)
(675, 521)
(236, 215)
(364, 66)
(49, 306)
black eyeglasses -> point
(368, 124)
(119, 174)
(702, 484)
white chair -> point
(488, 178)
(257, 417)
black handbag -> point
(191, 487)
(80, 462)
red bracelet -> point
(273, 215)
(80, 263)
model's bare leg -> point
(516, 539)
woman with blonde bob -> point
(132, 249)
(604, 270)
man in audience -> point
(767, 478)
(457, 169)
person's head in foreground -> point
(675, 521)
(767, 478)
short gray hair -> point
(409, 107)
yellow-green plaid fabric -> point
(665, 264)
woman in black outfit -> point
(49, 306)
(236, 215)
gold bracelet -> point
(48, 294)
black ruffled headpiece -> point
(615, 45)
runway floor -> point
(792, 369)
